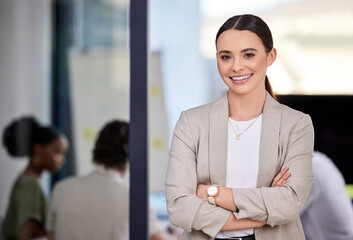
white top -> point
(328, 211)
(242, 160)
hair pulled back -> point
(22, 134)
(253, 24)
(112, 145)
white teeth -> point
(240, 78)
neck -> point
(33, 171)
(116, 169)
(245, 107)
(122, 172)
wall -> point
(25, 74)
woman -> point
(226, 154)
(45, 147)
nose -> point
(237, 65)
(60, 160)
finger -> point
(283, 182)
(279, 176)
(276, 183)
(279, 183)
(286, 176)
(281, 173)
(284, 170)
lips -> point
(241, 78)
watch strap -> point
(211, 200)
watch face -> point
(211, 191)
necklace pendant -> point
(237, 138)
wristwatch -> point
(212, 192)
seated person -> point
(328, 212)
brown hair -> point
(256, 25)
(112, 145)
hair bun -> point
(17, 136)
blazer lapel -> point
(269, 145)
(218, 141)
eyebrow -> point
(249, 49)
(244, 50)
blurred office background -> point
(313, 71)
(67, 63)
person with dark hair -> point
(96, 206)
(228, 173)
(45, 147)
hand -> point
(279, 181)
(281, 178)
(201, 191)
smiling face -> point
(242, 62)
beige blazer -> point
(198, 155)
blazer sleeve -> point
(280, 205)
(185, 209)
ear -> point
(271, 56)
(37, 149)
(37, 156)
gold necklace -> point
(238, 135)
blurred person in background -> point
(96, 206)
(328, 211)
(45, 147)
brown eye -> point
(249, 55)
(225, 57)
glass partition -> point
(67, 63)
(99, 71)
(313, 41)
